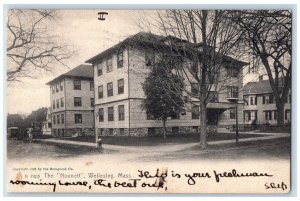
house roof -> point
(82, 71)
(260, 87)
(150, 39)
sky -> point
(88, 35)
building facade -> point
(72, 102)
(46, 126)
(119, 74)
(260, 104)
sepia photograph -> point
(159, 101)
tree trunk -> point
(164, 128)
(203, 131)
(280, 113)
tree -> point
(15, 120)
(37, 117)
(204, 38)
(162, 89)
(30, 44)
(267, 35)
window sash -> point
(120, 59)
(100, 91)
(195, 112)
(77, 101)
(78, 118)
(77, 84)
(110, 89)
(62, 102)
(99, 70)
(101, 114)
(110, 113)
(121, 112)
(109, 65)
(121, 86)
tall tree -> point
(205, 38)
(30, 45)
(162, 89)
(267, 35)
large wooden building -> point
(72, 100)
(119, 73)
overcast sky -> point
(89, 36)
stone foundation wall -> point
(72, 132)
(113, 132)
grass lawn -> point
(151, 141)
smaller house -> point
(46, 126)
(260, 104)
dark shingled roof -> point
(82, 71)
(261, 87)
(150, 39)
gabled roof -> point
(260, 87)
(149, 39)
(82, 71)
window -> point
(78, 118)
(122, 131)
(287, 115)
(253, 100)
(91, 85)
(247, 116)
(58, 119)
(101, 114)
(232, 113)
(195, 112)
(77, 84)
(232, 92)
(111, 131)
(62, 104)
(92, 102)
(99, 69)
(77, 102)
(269, 99)
(149, 58)
(120, 59)
(61, 86)
(53, 104)
(57, 103)
(194, 88)
(54, 119)
(100, 91)
(268, 115)
(121, 112)
(110, 91)
(62, 118)
(53, 89)
(110, 112)
(109, 67)
(57, 89)
(121, 86)
(213, 97)
(232, 72)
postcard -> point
(148, 101)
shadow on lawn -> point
(157, 140)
